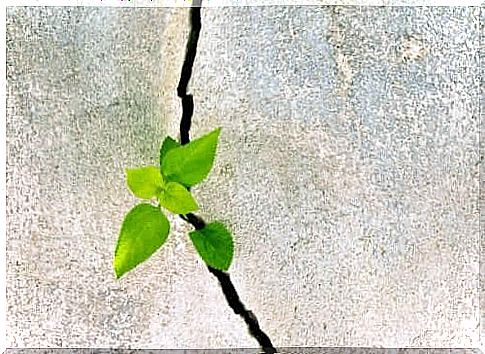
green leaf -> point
(168, 144)
(214, 244)
(177, 199)
(144, 231)
(189, 164)
(144, 182)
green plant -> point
(183, 165)
(146, 228)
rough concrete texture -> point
(294, 350)
(347, 169)
(482, 188)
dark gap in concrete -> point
(191, 51)
(197, 222)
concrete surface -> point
(347, 169)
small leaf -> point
(144, 182)
(189, 164)
(177, 199)
(144, 231)
(214, 244)
(168, 144)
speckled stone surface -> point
(290, 350)
(347, 169)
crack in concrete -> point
(197, 222)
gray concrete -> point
(347, 169)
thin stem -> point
(196, 221)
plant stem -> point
(197, 222)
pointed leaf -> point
(144, 182)
(214, 244)
(177, 199)
(144, 231)
(168, 144)
(189, 164)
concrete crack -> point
(197, 222)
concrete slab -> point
(347, 169)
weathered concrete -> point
(348, 170)
(288, 350)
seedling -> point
(146, 228)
